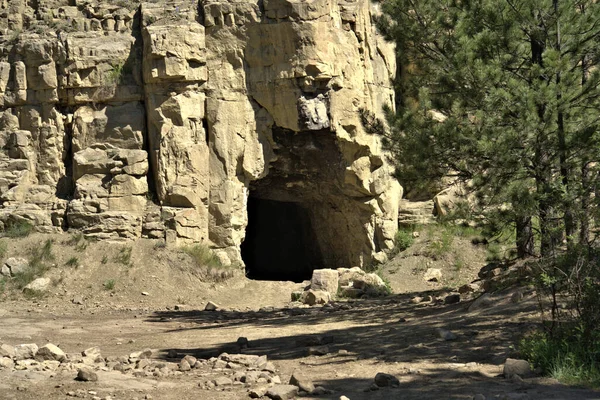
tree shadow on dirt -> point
(388, 334)
(390, 329)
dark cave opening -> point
(280, 242)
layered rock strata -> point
(161, 119)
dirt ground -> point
(391, 334)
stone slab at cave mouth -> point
(280, 242)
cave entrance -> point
(280, 242)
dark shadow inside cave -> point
(280, 242)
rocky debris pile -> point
(353, 283)
(227, 372)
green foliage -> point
(209, 266)
(503, 96)
(17, 229)
(124, 256)
(38, 265)
(565, 358)
(104, 259)
(3, 248)
(403, 240)
(109, 284)
(202, 256)
(72, 262)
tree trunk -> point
(525, 239)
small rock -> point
(452, 298)
(258, 392)
(137, 355)
(282, 392)
(384, 380)
(184, 366)
(77, 300)
(145, 294)
(6, 362)
(446, 334)
(222, 381)
(298, 379)
(325, 279)
(16, 265)
(313, 297)
(433, 275)
(92, 352)
(344, 398)
(190, 360)
(38, 285)
(25, 351)
(469, 288)
(210, 306)
(86, 375)
(7, 350)
(516, 367)
(50, 352)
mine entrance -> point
(280, 242)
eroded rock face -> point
(161, 120)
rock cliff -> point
(162, 120)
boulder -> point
(282, 392)
(325, 279)
(432, 275)
(516, 367)
(25, 351)
(303, 383)
(50, 352)
(86, 375)
(39, 285)
(6, 350)
(16, 265)
(313, 297)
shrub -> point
(209, 265)
(203, 256)
(3, 248)
(124, 256)
(72, 262)
(109, 284)
(17, 229)
(403, 240)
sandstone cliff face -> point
(162, 119)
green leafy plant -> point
(124, 256)
(109, 284)
(17, 229)
(72, 262)
(403, 240)
(3, 248)
(209, 267)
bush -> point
(17, 229)
(72, 262)
(403, 240)
(209, 265)
(109, 284)
(124, 256)
(569, 347)
(564, 357)
(3, 248)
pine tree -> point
(504, 94)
